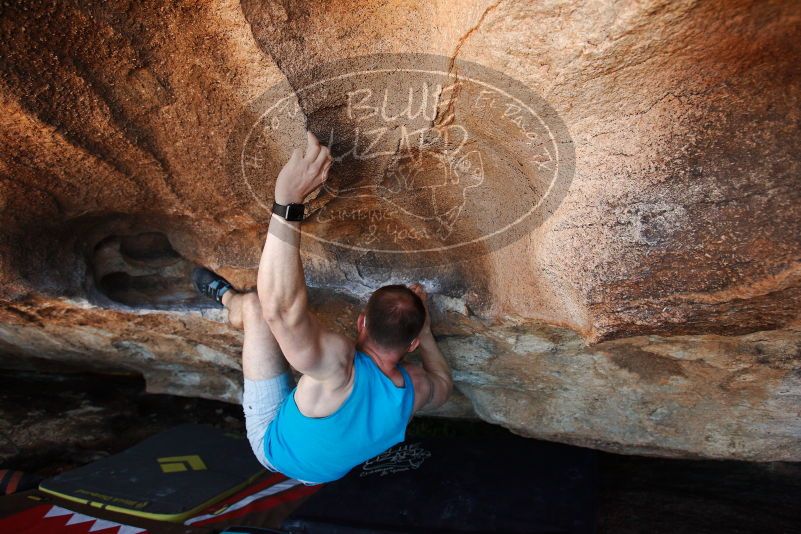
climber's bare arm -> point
(433, 384)
(309, 348)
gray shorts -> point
(261, 401)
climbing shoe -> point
(210, 284)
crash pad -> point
(170, 476)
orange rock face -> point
(603, 199)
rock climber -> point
(355, 397)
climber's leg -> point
(268, 380)
(261, 355)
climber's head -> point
(392, 320)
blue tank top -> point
(320, 449)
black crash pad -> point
(169, 476)
(502, 484)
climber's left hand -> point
(303, 173)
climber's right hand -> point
(303, 173)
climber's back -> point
(371, 419)
(355, 400)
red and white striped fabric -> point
(264, 494)
(9, 480)
(15, 481)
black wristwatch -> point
(290, 212)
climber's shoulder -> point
(313, 349)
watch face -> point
(294, 212)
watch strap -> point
(290, 212)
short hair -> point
(394, 315)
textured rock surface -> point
(656, 310)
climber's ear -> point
(361, 323)
(414, 344)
